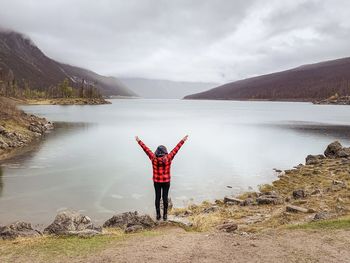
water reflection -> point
(341, 132)
(61, 129)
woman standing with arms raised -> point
(161, 163)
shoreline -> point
(306, 209)
(316, 190)
(19, 130)
(66, 101)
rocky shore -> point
(18, 129)
(314, 191)
(335, 100)
(67, 101)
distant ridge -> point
(26, 63)
(165, 89)
(305, 83)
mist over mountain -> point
(22, 61)
(164, 89)
(306, 83)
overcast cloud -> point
(199, 40)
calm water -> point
(92, 163)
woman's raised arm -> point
(177, 147)
(144, 147)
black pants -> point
(161, 189)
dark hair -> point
(161, 151)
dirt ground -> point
(176, 245)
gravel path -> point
(176, 245)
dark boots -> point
(165, 213)
(165, 210)
(158, 214)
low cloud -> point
(199, 40)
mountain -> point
(164, 89)
(305, 83)
(22, 60)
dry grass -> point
(51, 248)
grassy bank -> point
(56, 249)
(332, 224)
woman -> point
(161, 162)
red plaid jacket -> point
(161, 165)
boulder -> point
(228, 227)
(18, 229)
(247, 202)
(180, 221)
(3, 144)
(2, 129)
(313, 159)
(211, 209)
(300, 193)
(129, 219)
(340, 183)
(134, 228)
(297, 209)
(322, 216)
(34, 128)
(232, 201)
(72, 223)
(269, 198)
(336, 150)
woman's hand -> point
(137, 138)
(185, 138)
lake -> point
(92, 163)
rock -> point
(313, 159)
(344, 153)
(316, 192)
(247, 202)
(2, 129)
(269, 198)
(18, 229)
(133, 228)
(232, 201)
(187, 213)
(71, 223)
(128, 219)
(219, 202)
(34, 128)
(211, 209)
(228, 227)
(300, 193)
(3, 144)
(340, 200)
(338, 184)
(296, 209)
(336, 150)
(183, 222)
(322, 216)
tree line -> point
(9, 87)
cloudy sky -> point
(192, 40)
